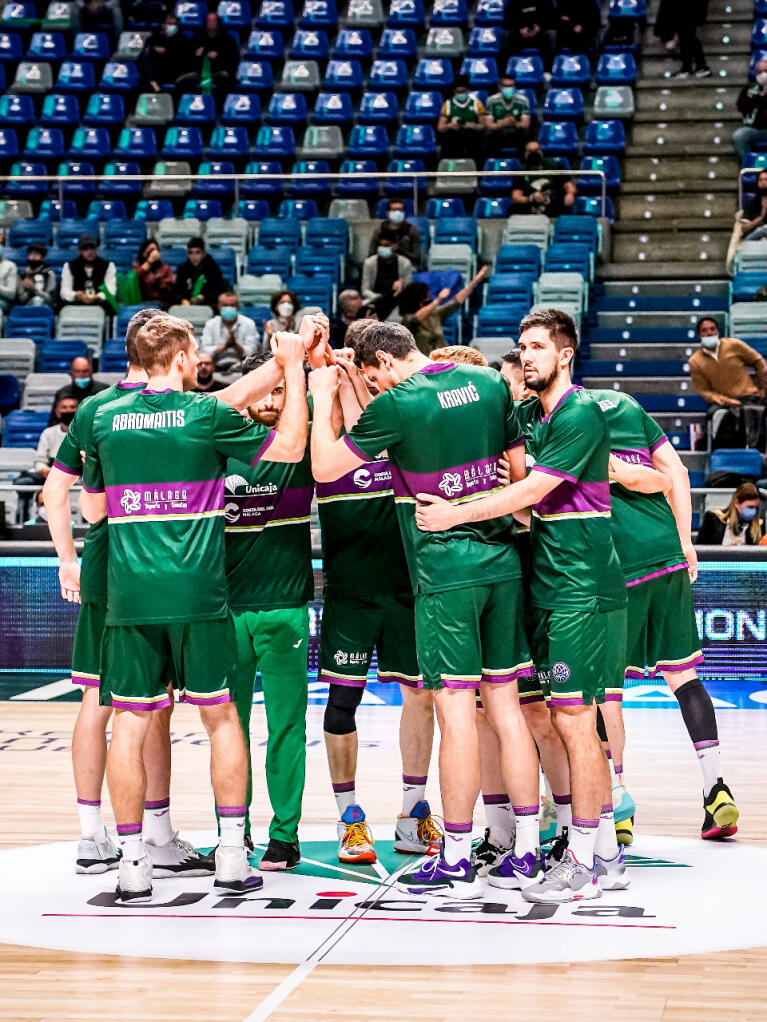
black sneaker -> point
(249, 843)
(558, 848)
(485, 854)
(281, 855)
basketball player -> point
(369, 605)
(445, 426)
(166, 580)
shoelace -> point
(429, 831)
(563, 870)
(357, 834)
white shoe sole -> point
(461, 892)
(405, 845)
(165, 872)
(96, 867)
(616, 884)
(561, 897)
(512, 883)
(239, 886)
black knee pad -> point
(601, 729)
(343, 701)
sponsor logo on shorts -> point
(344, 659)
(363, 478)
(341, 658)
(131, 501)
(560, 671)
(451, 484)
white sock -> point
(526, 837)
(232, 826)
(91, 823)
(708, 757)
(582, 839)
(563, 806)
(157, 825)
(131, 843)
(345, 796)
(413, 792)
(499, 819)
(457, 842)
(606, 846)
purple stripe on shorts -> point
(685, 665)
(632, 672)
(400, 679)
(585, 824)
(455, 482)
(331, 679)
(205, 700)
(634, 456)
(573, 497)
(458, 828)
(567, 700)
(79, 679)
(124, 829)
(409, 779)
(566, 394)
(65, 468)
(377, 480)
(264, 447)
(659, 443)
(87, 802)
(613, 697)
(232, 810)
(533, 697)
(562, 800)
(172, 498)
(355, 450)
(460, 683)
(162, 803)
(656, 574)
(437, 367)
(504, 679)
(138, 705)
(344, 786)
(526, 810)
(494, 800)
(89, 489)
(698, 745)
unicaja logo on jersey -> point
(451, 484)
(232, 482)
(131, 501)
(560, 671)
(362, 478)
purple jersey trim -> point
(566, 394)
(575, 498)
(634, 456)
(656, 574)
(355, 450)
(347, 485)
(88, 489)
(264, 447)
(258, 510)
(455, 483)
(124, 385)
(65, 468)
(659, 443)
(165, 499)
(554, 472)
(512, 446)
(437, 367)
(168, 390)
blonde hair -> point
(729, 515)
(459, 353)
(159, 341)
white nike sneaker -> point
(233, 871)
(419, 833)
(134, 882)
(97, 854)
(612, 873)
(179, 858)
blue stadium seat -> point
(11, 47)
(612, 171)
(120, 232)
(90, 144)
(214, 179)
(310, 44)
(604, 137)
(173, 256)
(563, 105)
(403, 186)
(235, 14)
(591, 205)
(280, 232)
(136, 144)
(19, 15)
(436, 208)
(301, 188)
(259, 187)
(275, 142)
(482, 72)
(331, 231)
(104, 108)
(9, 144)
(527, 70)
(492, 209)
(154, 210)
(24, 232)
(568, 257)
(119, 76)
(353, 44)
(500, 320)
(191, 13)
(313, 290)
(342, 74)
(21, 186)
(107, 209)
(91, 46)
(415, 140)
(55, 356)
(423, 107)
(230, 143)
(449, 12)
(398, 44)
(17, 110)
(499, 185)
(60, 110)
(44, 144)
(368, 141)
(319, 260)
(333, 108)
(269, 260)
(350, 187)
(81, 170)
(431, 73)
(506, 287)
(744, 285)
(616, 69)
(22, 428)
(113, 357)
(747, 462)
(252, 210)
(275, 14)
(571, 69)
(241, 108)
(265, 44)
(489, 12)
(115, 184)
(580, 229)
(388, 74)
(759, 34)
(36, 322)
(197, 109)
(318, 14)
(285, 108)
(201, 209)
(484, 42)
(634, 9)
(518, 259)
(254, 76)
(69, 231)
(456, 230)
(48, 46)
(56, 210)
(558, 138)
(182, 143)
(405, 14)
(378, 108)
(76, 76)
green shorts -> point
(472, 635)
(662, 633)
(139, 661)
(578, 654)
(352, 629)
(86, 655)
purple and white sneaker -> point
(434, 876)
(233, 871)
(514, 874)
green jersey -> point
(268, 534)
(468, 111)
(573, 560)
(93, 571)
(160, 456)
(444, 429)
(643, 525)
(361, 542)
(518, 107)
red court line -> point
(367, 919)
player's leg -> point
(280, 642)
(552, 752)
(498, 838)
(241, 689)
(348, 636)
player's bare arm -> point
(331, 457)
(509, 471)
(289, 443)
(666, 460)
(56, 496)
(254, 387)
(639, 477)
(93, 506)
(433, 514)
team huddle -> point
(510, 545)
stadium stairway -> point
(677, 201)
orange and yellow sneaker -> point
(355, 842)
(419, 833)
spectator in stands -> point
(387, 272)
(665, 25)
(687, 16)
(755, 211)
(64, 409)
(461, 124)
(424, 315)
(349, 307)
(37, 281)
(95, 16)
(752, 103)
(206, 381)
(166, 57)
(9, 279)
(83, 278)
(81, 384)
(215, 58)
(408, 235)
(719, 370)
(578, 25)
(507, 119)
(156, 279)
(199, 280)
(529, 24)
(538, 191)
(737, 524)
(229, 337)
(285, 306)
(39, 516)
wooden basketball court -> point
(37, 807)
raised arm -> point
(289, 444)
(331, 457)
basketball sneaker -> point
(434, 876)
(418, 833)
(355, 842)
(233, 871)
(178, 858)
(485, 854)
(97, 854)
(515, 874)
(281, 855)
(624, 831)
(548, 821)
(624, 808)
(556, 851)
(134, 880)
(720, 813)
(612, 873)
(568, 881)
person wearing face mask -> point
(752, 104)
(719, 370)
(166, 57)
(408, 235)
(285, 306)
(740, 523)
(50, 439)
(507, 120)
(229, 337)
(82, 384)
(461, 124)
(37, 281)
(387, 272)
(156, 278)
(537, 191)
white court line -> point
(49, 691)
(283, 990)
